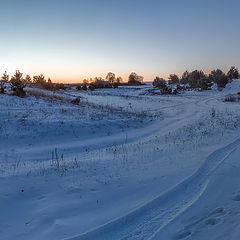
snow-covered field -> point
(124, 164)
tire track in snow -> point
(148, 220)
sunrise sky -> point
(69, 40)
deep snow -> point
(124, 164)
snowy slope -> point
(124, 164)
(232, 87)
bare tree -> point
(111, 78)
(135, 79)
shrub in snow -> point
(82, 87)
(162, 85)
(175, 91)
(58, 86)
(91, 87)
(100, 83)
(47, 84)
(232, 98)
(115, 85)
(76, 101)
(166, 90)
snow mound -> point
(232, 87)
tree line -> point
(197, 79)
(189, 80)
(17, 83)
(110, 81)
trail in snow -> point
(77, 147)
(146, 221)
(103, 198)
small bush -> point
(91, 87)
(76, 101)
(232, 98)
(82, 87)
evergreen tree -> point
(17, 84)
(4, 79)
(218, 77)
(40, 79)
(173, 79)
(233, 73)
(28, 79)
(185, 78)
(159, 83)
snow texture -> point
(125, 164)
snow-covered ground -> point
(124, 164)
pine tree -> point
(4, 79)
(218, 77)
(17, 84)
(28, 79)
(233, 73)
(173, 79)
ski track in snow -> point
(146, 221)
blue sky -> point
(69, 40)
